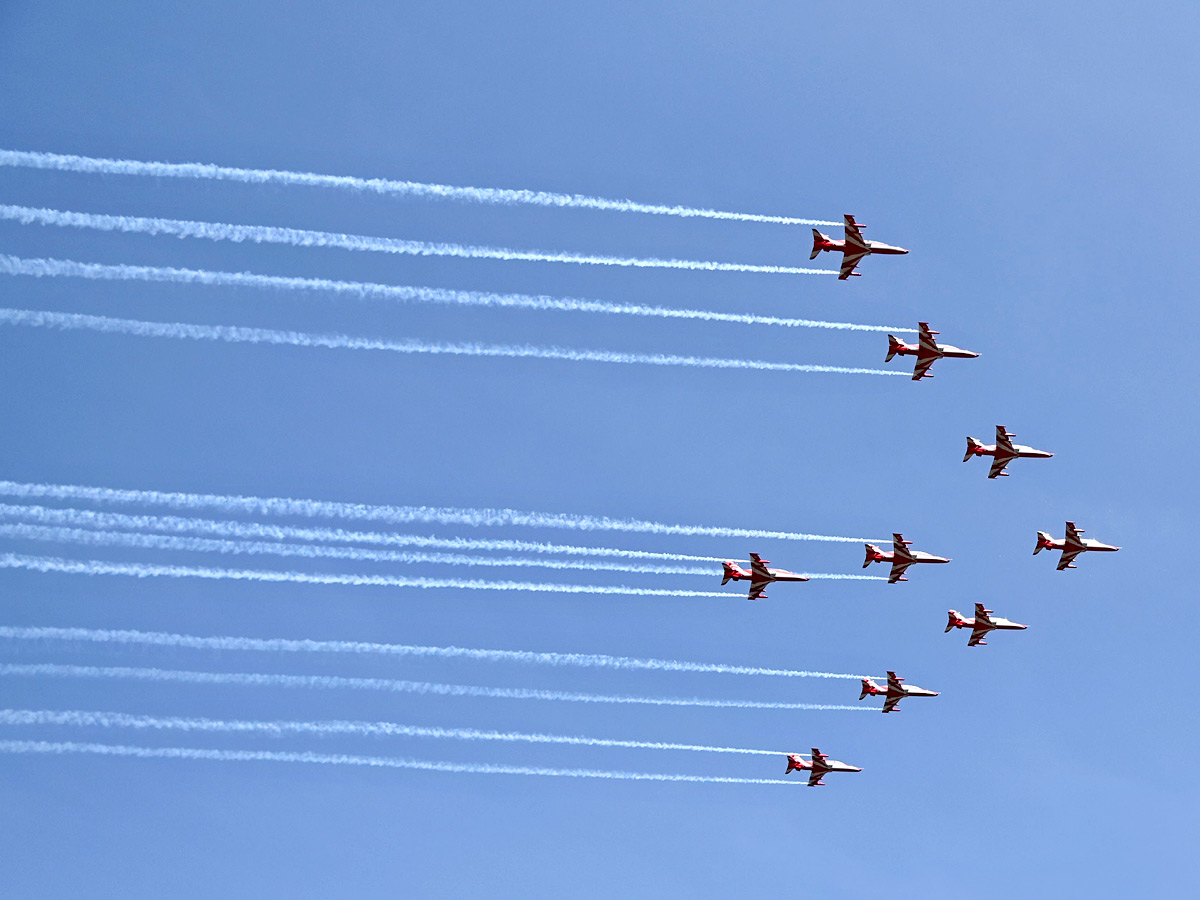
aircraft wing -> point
(854, 236)
(1067, 558)
(814, 778)
(890, 703)
(921, 369)
(756, 590)
(977, 636)
(1003, 439)
(998, 465)
(898, 569)
(849, 261)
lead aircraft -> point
(926, 350)
(759, 575)
(820, 766)
(900, 557)
(894, 692)
(1004, 451)
(981, 624)
(853, 248)
(1071, 546)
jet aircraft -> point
(926, 350)
(900, 557)
(1071, 546)
(894, 692)
(759, 575)
(853, 248)
(819, 767)
(1004, 451)
(981, 624)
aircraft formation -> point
(758, 573)
(854, 248)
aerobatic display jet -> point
(981, 624)
(900, 557)
(853, 248)
(926, 350)
(1071, 546)
(820, 766)
(894, 692)
(1004, 451)
(759, 575)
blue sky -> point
(1038, 163)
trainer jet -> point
(759, 575)
(894, 692)
(926, 350)
(853, 248)
(900, 557)
(1071, 546)
(981, 624)
(820, 766)
(1004, 451)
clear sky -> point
(1037, 159)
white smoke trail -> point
(241, 335)
(310, 551)
(64, 747)
(69, 163)
(85, 719)
(146, 570)
(286, 645)
(476, 518)
(338, 682)
(13, 265)
(258, 530)
(298, 237)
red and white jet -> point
(759, 575)
(1071, 546)
(894, 692)
(820, 766)
(853, 248)
(926, 350)
(900, 557)
(1004, 451)
(981, 624)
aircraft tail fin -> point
(873, 555)
(895, 345)
(1044, 541)
(793, 764)
(955, 618)
(973, 447)
(818, 239)
(730, 572)
(868, 687)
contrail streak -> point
(237, 334)
(309, 551)
(326, 729)
(476, 518)
(263, 531)
(13, 265)
(336, 682)
(298, 237)
(504, 196)
(147, 570)
(378, 762)
(285, 645)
